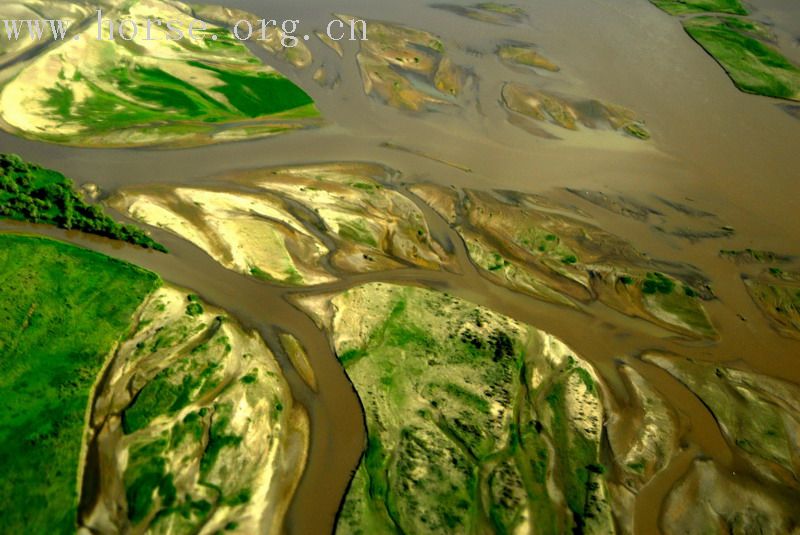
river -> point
(732, 154)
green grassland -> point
(62, 309)
(38, 195)
(754, 66)
(461, 437)
(151, 94)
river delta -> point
(477, 273)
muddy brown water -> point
(713, 147)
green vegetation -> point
(255, 94)
(777, 294)
(738, 45)
(31, 193)
(369, 226)
(751, 408)
(498, 262)
(150, 91)
(657, 283)
(679, 7)
(62, 309)
(458, 439)
(178, 91)
(207, 418)
(166, 395)
(194, 308)
(754, 66)
(145, 475)
(356, 230)
(539, 241)
(218, 438)
(564, 260)
(662, 302)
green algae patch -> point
(754, 66)
(156, 91)
(476, 423)
(62, 310)
(32, 193)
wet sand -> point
(733, 154)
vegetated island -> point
(192, 427)
(757, 416)
(297, 225)
(197, 428)
(777, 295)
(524, 55)
(34, 194)
(305, 225)
(408, 69)
(523, 102)
(141, 92)
(740, 45)
(518, 243)
(477, 423)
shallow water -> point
(732, 154)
